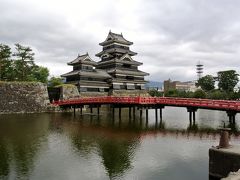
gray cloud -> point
(169, 36)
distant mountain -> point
(154, 84)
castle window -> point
(142, 86)
(130, 86)
(126, 65)
(130, 77)
(83, 89)
(116, 86)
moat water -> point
(59, 146)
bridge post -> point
(156, 115)
(120, 113)
(74, 110)
(98, 110)
(130, 112)
(113, 112)
(91, 109)
(146, 115)
(134, 113)
(140, 110)
(140, 115)
(160, 113)
(192, 115)
(232, 116)
(81, 110)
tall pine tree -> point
(227, 80)
(5, 63)
(24, 62)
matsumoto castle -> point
(116, 71)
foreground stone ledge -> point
(223, 161)
(233, 176)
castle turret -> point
(86, 77)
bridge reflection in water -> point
(117, 138)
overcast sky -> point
(170, 36)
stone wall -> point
(68, 91)
(23, 97)
(133, 93)
(93, 94)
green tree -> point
(171, 93)
(239, 93)
(24, 62)
(39, 74)
(206, 83)
(217, 94)
(5, 62)
(227, 80)
(154, 92)
(55, 81)
(199, 94)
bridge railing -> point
(207, 103)
(235, 105)
(146, 100)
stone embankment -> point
(23, 97)
(233, 176)
(68, 91)
(131, 93)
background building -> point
(181, 86)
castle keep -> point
(116, 70)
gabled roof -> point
(107, 55)
(115, 60)
(113, 37)
(125, 59)
(127, 72)
(94, 73)
(83, 59)
(116, 50)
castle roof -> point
(83, 59)
(116, 50)
(113, 37)
(94, 73)
(126, 59)
(127, 72)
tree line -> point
(220, 87)
(226, 82)
(20, 66)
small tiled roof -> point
(72, 73)
(116, 50)
(83, 59)
(94, 73)
(114, 80)
(127, 72)
(113, 37)
(115, 60)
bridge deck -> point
(224, 105)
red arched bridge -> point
(192, 104)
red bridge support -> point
(192, 115)
(232, 116)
